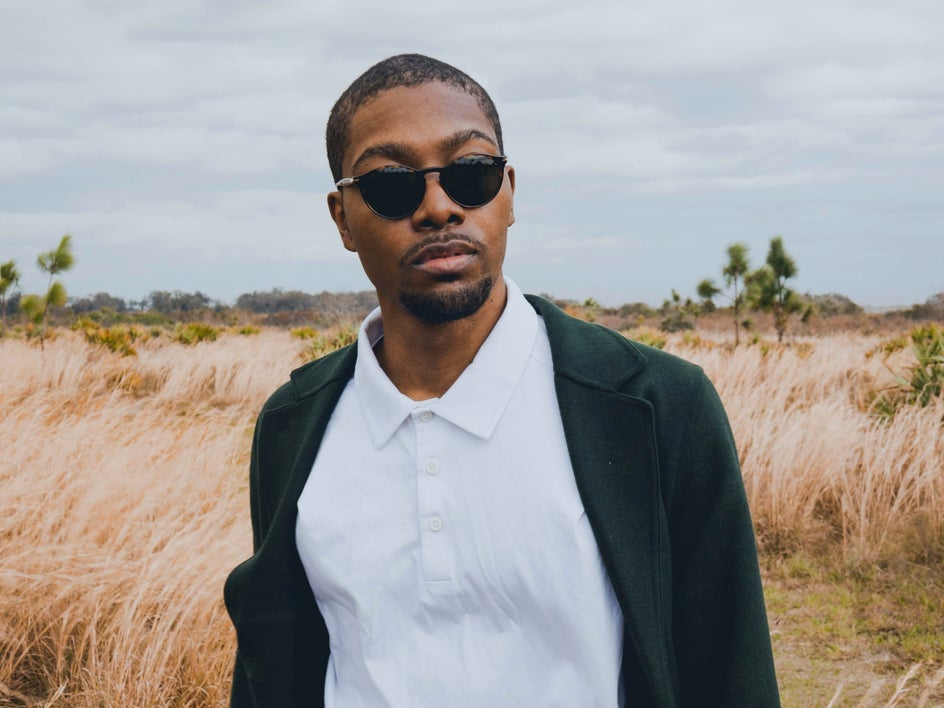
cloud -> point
(196, 128)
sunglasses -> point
(396, 191)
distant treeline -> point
(275, 307)
(276, 300)
(293, 307)
(173, 304)
(297, 301)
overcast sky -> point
(181, 142)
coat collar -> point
(587, 353)
(314, 376)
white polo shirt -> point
(446, 543)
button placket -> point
(431, 504)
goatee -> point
(439, 308)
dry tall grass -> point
(819, 469)
(124, 487)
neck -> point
(424, 360)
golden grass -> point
(819, 469)
(124, 487)
(125, 495)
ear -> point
(339, 217)
(511, 209)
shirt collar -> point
(477, 399)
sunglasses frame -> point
(501, 160)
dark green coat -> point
(658, 475)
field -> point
(125, 492)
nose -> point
(437, 209)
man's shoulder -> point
(307, 380)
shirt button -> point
(432, 467)
(426, 416)
(435, 524)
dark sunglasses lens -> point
(392, 192)
(473, 181)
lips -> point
(445, 258)
(443, 250)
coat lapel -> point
(272, 584)
(293, 432)
(611, 439)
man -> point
(484, 502)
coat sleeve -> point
(241, 695)
(719, 623)
(264, 615)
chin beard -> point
(439, 308)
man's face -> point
(441, 262)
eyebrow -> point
(403, 153)
(464, 136)
(398, 152)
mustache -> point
(412, 252)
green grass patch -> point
(858, 629)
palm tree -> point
(768, 286)
(53, 262)
(734, 272)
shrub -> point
(325, 343)
(648, 336)
(196, 332)
(304, 333)
(676, 322)
(152, 318)
(116, 338)
(889, 347)
(920, 383)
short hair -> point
(393, 72)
